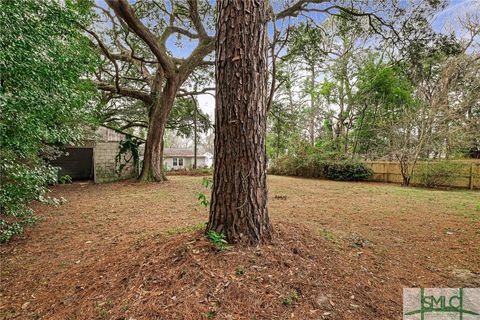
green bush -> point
(436, 174)
(20, 184)
(44, 99)
(347, 170)
(311, 162)
(305, 161)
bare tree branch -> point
(127, 92)
(123, 9)
(185, 93)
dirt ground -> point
(342, 250)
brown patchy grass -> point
(341, 251)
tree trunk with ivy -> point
(239, 196)
(152, 169)
(195, 134)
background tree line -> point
(347, 93)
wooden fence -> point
(468, 177)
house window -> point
(178, 162)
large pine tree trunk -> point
(239, 197)
(152, 169)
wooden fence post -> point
(470, 182)
(386, 171)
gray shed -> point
(95, 158)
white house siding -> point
(201, 162)
(168, 163)
(208, 160)
(187, 162)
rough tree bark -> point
(239, 196)
(152, 169)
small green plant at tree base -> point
(103, 308)
(218, 239)
(65, 179)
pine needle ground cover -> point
(341, 250)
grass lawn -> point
(342, 251)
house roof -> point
(107, 134)
(179, 152)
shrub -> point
(20, 184)
(283, 166)
(192, 172)
(312, 163)
(305, 161)
(435, 174)
(347, 170)
(43, 100)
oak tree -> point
(139, 66)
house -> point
(97, 158)
(179, 159)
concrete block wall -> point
(105, 167)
